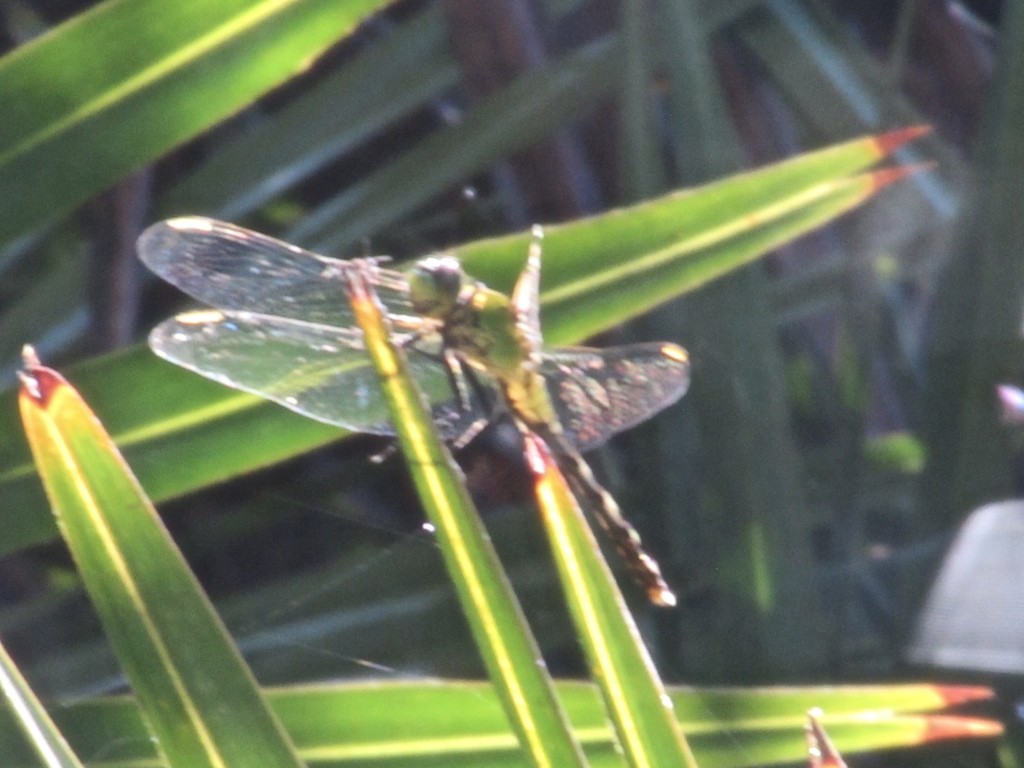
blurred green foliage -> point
(842, 419)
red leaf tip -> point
(538, 457)
(888, 142)
(883, 177)
(952, 695)
(941, 727)
(37, 382)
(29, 357)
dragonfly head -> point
(435, 284)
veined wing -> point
(323, 372)
(601, 392)
(235, 269)
(319, 371)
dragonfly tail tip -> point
(663, 597)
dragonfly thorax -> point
(279, 329)
(437, 285)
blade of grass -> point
(640, 709)
(509, 651)
(821, 752)
(42, 733)
(407, 66)
(747, 474)
(127, 80)
(421, 723)
(170, 423)
(528, 110)
(841, 85)
(685, 238)
(975, 339)
(641, 172)
(200, 699)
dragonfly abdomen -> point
(624, 537)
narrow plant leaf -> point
(531, 108)
(974, 318)
(200, 699)
(427, 723)
(676, 243)
(408, 66)
(129, 79)
(777, 744)
(51, 747)
(840, 87)
(839, 701)
(510, 653)
(821, 753)
(659, 248)
(640, 709)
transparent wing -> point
(287, 334)
(318, 371)
(601, 392)
(232, 268)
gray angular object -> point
(974, 616)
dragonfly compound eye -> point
(277, 327)
(434, 285)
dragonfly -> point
(281, 327)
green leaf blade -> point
(37, 725)
(605, 269)
(199, 697)
(637, 703)
(510, 653)
(454, 722)
(138, 395)
(119, 86)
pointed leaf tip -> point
(883, 177)
(538, 458)
(38, 383)
(821, 753)
(952, 695)
(29, 357)
(943, 727)
(893, 140)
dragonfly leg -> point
(455, 372)
(457, 378)
(417, 333)
(466, 386)
(485, 396)
(489, 405)
(471, 432)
